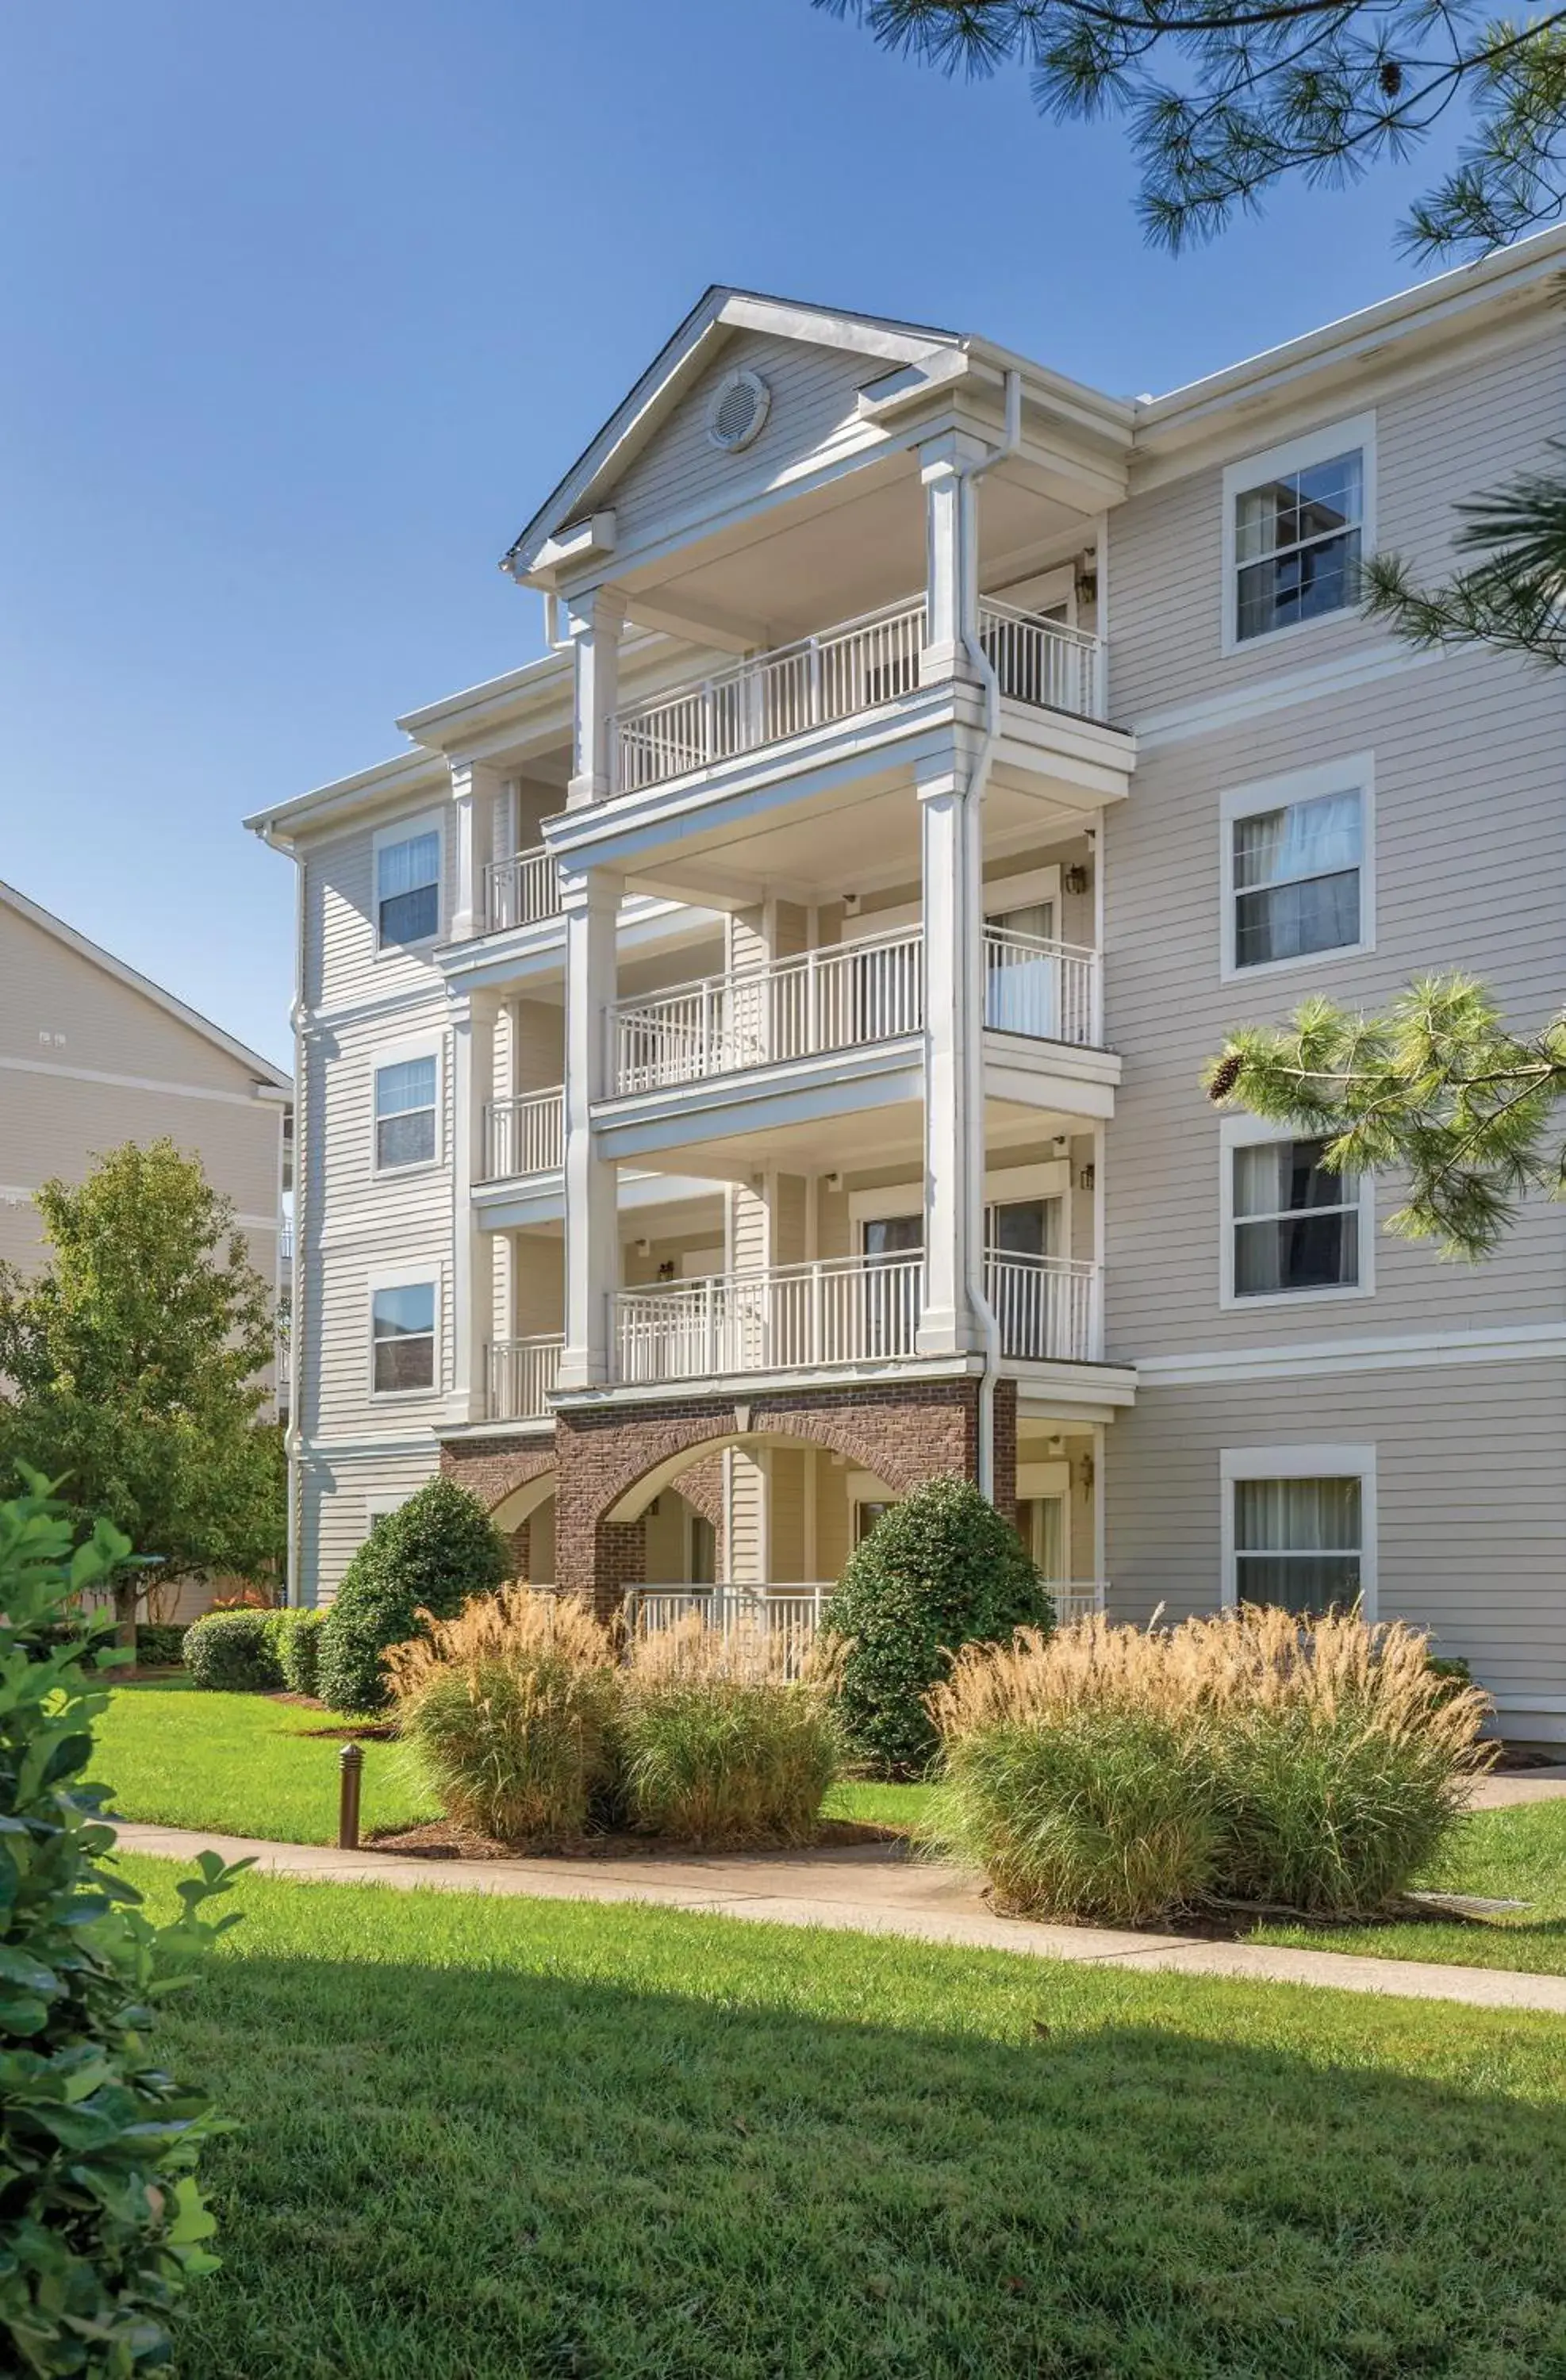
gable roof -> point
(46, 922)
(709, 322)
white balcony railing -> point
(855, 666)
(521, 1376)
(1075, 1599)
(521, 890)
(1047, 1308)
(1047, 990)
(833, 999)
(525, 1135)
(788, 1319)
(286, 1242)
(791, 1613)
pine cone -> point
(1225, 1074)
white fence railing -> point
(790, 1614)
(522, 1373)
(842, 1311)
(1047, 1306)
(833, 999)
(1043, 661)
(525, 1135)
(1075, 1599)
(521, 890)
(847, 669)
(855, 666)
(1048, 991)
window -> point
(866, 1515)
(404, 1113)
(408, 889)
(1296, 1226)
(1296, 879)
(1297, 1542)
(402, 1330)
(1296, 522)
(1299, 1527)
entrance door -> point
(890, 1288)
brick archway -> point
(904, 1433)
(493, 1469)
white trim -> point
(138, 1083)
(1251, 1132)
(396, 1053)
(1515, 1342)
(1354, 774)
(428, 1270)
(1273, 463)
(385, 838)
(1303, 1460)
(56, 928)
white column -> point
(473, 1276)
(954, 1006)
(951, 556)
(591, 902)
(474, 786)
(597, 618)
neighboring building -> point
(750, 1056)
(93, 1055)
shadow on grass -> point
(460, 2175)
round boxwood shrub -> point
(431, 1555)
(295, 1637)
(941, 1568)
(234, 1652)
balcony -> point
(854, 667)
(851, 996)
(521, 1375)
(525, 1135)
(521, 890)
(842, 1312)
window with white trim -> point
(408, 889)
(1298, 522)
(402, 1334)
(1296, 1226)
(1299, 1527)
(404, 1113)
(1296, 879)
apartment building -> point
(94, 1054)
(749, 1056)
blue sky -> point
(307, 306)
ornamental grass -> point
(1254, 1757)
(722, 1743)
(511, 1709)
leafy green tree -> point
(131, 1365)
(429, 1555)
(1227, 98)
(1437, 1089)
(101, 2223)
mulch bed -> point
(443, 1840)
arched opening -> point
(526, 1518)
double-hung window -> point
(1296, 879)
(408, 889)
(404, 1113)
(1299, 1543)
(1294, 1226)
(1297, 524)
(402, 1331)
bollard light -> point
(350, 1769)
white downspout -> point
(972, 893)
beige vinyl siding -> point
(343, 966)
(814, 414)
(1470, 872)
(335, 1494)
(1471, 1489)
(53, 1125)
(57, 1007)
(1463, 427)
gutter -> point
(972, 893)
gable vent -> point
(739, 407)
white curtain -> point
(1308, 839)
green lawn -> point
(486, 2139)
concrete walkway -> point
(1519, 1785)
(871, 1888)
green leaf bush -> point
(295, 1644)
(941, 1569)
(160, 1643)
(101, 2223)
(234, 1653)
(431, 1555)
(1254, 1758)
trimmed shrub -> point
(100, 2217)
(941, 1569)
(234, 1652)
(719, 1745)
(1329, 1760)
(425, 1560)
(295, 1644)
(511, 1709)
(1105, 1816)
(160, 1643)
